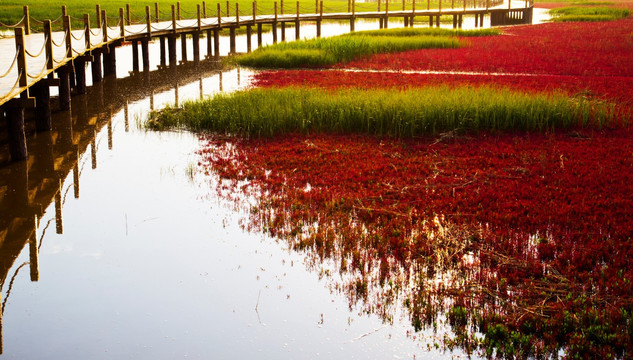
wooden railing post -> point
(228, 9)
(148, 21)
(27, 21)
(156, 12)
(237, 14)
(403, 5)
(199, 17)
(48, 34)
(87, 31)
(178, 10)
(64, 12)
(316, 6)
(428, 4)
(104, 25)
(122, 22)
(173, 18)
(127, 14)
(68, 38)
(19, 47)
(254, 11)
(219, 15)
(378, 6)
(204, 9)
(98, 18)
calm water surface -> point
(114, 245)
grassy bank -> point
(268, 112)
(345, 48)
(580, 13)
(11, 11)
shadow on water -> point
(27, 188)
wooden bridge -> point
(29, 61)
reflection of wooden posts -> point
(259, 35)
(33, 253)
(275, 25)
(93, 150)
(110, 133)
(59, 225)
(220, 81)
(249, 34)
(42, 95)
(80, 74)
(76, 178)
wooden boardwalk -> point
(32, 62)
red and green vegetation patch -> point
(525, 238)
(520, 241)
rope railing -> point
(44, 68)
(40, 51)
(15, 86)
(80, 37)
(15, 61)
(18, 24)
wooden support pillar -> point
(437, 21)
(481, 20)
(171, 40)
(406, 21)
(476, 20)
(96, 67)
(64, 87)
(209, 44)
(259, 35)
(145, 53)
(196, 46)
(318, 28)
(249, 34)
(216, 44)
(135, 66)
(183, 48)
(460, 21)
(163, 51)
(42, 94)
(431, 21)
(80, 76)
(232, 39)
(15, 128)
(283, 31)
(454, 21)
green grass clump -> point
(348, 47)
(406, 32)
(268, 112)
(576, 13)
(329, 51)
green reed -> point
(578, 13)
(348, 47)
(412, 112)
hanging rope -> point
(40, 73)
(15, 61)
(41, 50)
(18, 24)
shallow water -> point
(114, 245)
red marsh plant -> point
(521, 241)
